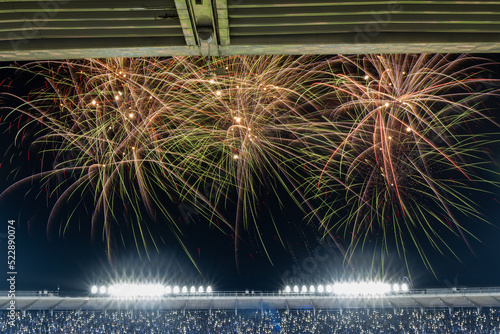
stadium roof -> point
(88, 28)
(424, 299)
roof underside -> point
(32, 29)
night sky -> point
(46, 260)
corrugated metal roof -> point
(77, 29)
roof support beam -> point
(204, 21)
(28, 305)
(339, 305)
(392, 304)
(445, 303)
(419, 304)
(105, 308)
(496, 299)
(186, 19)
(53, 307)
(222, 22)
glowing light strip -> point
(350, 289)
(130, 290)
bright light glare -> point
(209, 289)
(176, 289)
(404, 287)
(94, 289)
(184, 289)
(102, 290)
(288, 289)
(136, 290)
(201, 289)
(395, 287)
(312, 289)
(192, 290)
(363, 288)
(329, 288)
(295, 289)
(304, 289)
(321, 289)
(168, 289)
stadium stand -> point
(246, 322)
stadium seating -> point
(227, 322)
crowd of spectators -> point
(268, 322)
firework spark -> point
(400, 146)
(130, 133)
(116, 132)
(383, 134)
(251, 124)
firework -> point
(399, 145)
(383, 142)
(114, 130)
(139, 134)
(251, 127)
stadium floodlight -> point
(176, 289)
(288, 289)
(404, 287)
(329, 288)
(136, 290)
(184, 289)
(201, 289)
(395, 288)
(304, 289)
(209, 289)
(168, 289)
(363, 288)
(94, 289)
(296, 289)
(312, 289)
(102, 290)
(321, 288)
(192, 290)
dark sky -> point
(46, 260)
